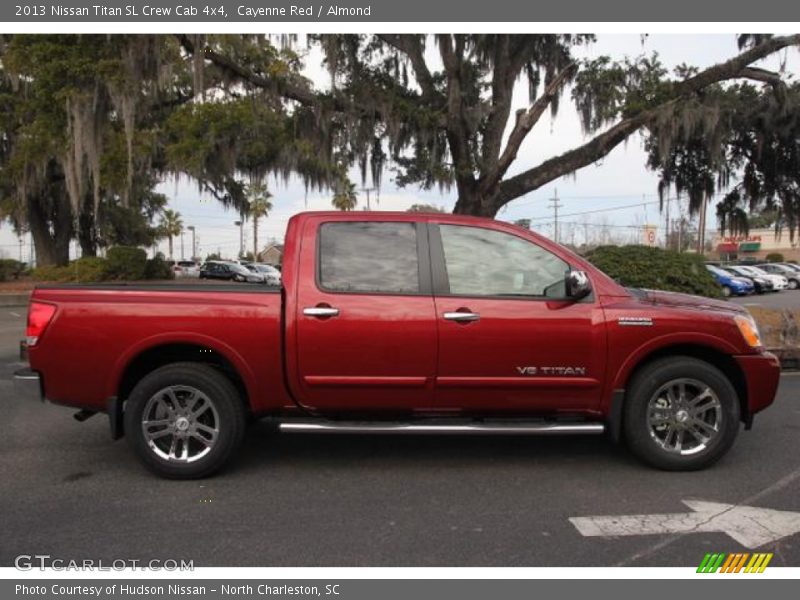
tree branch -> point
(601, 145)
(526, 119)
(503, 80)
(411, 46)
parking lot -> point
(309, 500)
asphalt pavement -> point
(312, 500)
(779, 300)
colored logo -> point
(734, 563)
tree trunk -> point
(255, 238)
(169, 239)
(86, 235)
(51, 232)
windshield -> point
(717, 271)
(266, 269)
(238, 269)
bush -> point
(774, 257)
(10, 269)
(126, 262)
(157, 268)
(654, 268)
(89, 269)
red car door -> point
(509, 339)
(365, 320)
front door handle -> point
(321, 311)
(461, 316)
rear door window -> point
(369, 257)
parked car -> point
(229, 271)
(761, 284)
(731, 285)
(779, 282)
(395, 323)
(271, 275)
(184, 268)
(779, 269)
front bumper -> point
(762, 374)
(28, 385)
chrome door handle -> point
(321, 311)
(461, 316)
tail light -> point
(39, 317)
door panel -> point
(521, 355)
(508, 339)
(365, 320)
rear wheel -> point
(185, 420)
(681, 414)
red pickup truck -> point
(402, 323)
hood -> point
(679, 300)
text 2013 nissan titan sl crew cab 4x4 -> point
(402, 323)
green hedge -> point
(656, 269)
(10, 269)
(122, 263)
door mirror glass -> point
(577, 284)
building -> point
(756, 245)
(272, 255)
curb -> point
(20, 299)
(789, 357)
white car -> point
(271, 275)
(779, 282)
(787, 272)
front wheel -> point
(185, 420)
(681, 414)
(793, 284)
(726, 291)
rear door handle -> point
(462, 316)
(321, 311)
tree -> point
(749, 152)
(90, 124)
(524, 223)
(425, 208)
(258, 206)
(447, 126)
(171, 226)
(344, 197)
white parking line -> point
(13, 314)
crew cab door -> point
(364, 316)
(509, 339)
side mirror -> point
(577, 284)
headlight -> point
(749, 330)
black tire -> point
(726, 291)
(227, 415)
(645, 439)
(793, 284)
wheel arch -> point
(704, 352)
(147, 359)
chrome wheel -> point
(180, 424)
(684, 416)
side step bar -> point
(479, 428)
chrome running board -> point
(479, 428)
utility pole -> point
(181, 244)
(21, 242)
(368, 190)
(240, 225)
(555, 205)
(701, 232)
(194, 244)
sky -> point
(619, 189)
